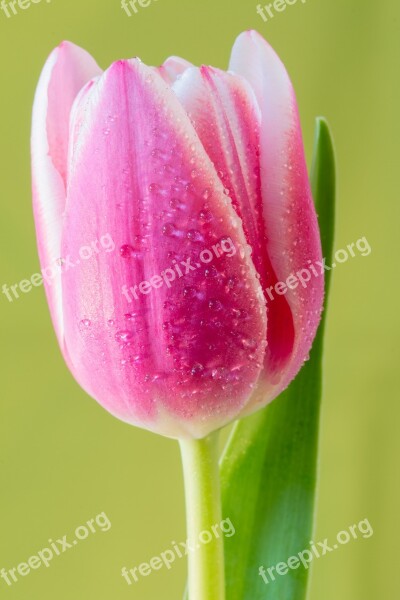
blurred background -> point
(63, 459)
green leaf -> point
(269, 467)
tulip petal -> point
(227, 119)
(293, 239)
(166, 318)
(78, 116)
(172, 68)
(67, 69)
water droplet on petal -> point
(197, 369)
(126, 251)
(230, 284)
(210, 272)
(189, 292)
(170, 230)
(176, 204)
(130, 316)
(205, 215)
(248, 343)
(215, 304)
(219, 373)
(124, 335)
(194, 235)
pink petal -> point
(227, 119)
(293, 240)
(78, 117)
(67, 69)
(172, 68)
(180, 359)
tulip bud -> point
(179, 199)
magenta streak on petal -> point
(227, 120)
(139, 173)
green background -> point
(63, 458)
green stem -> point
(203, 514)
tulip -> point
(176, 165)
(201, 308)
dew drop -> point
(170, 230)
(127, 251)
(248, 343)
(130, 316)
(197, 369)
(219, 373)
(210, 272)
(194, 235)
(205, 216)
(176, 204)
(189, 292)
(215, 304)
(124, 335)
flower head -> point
(189, 187)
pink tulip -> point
(174, 164)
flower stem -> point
(203, 511)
